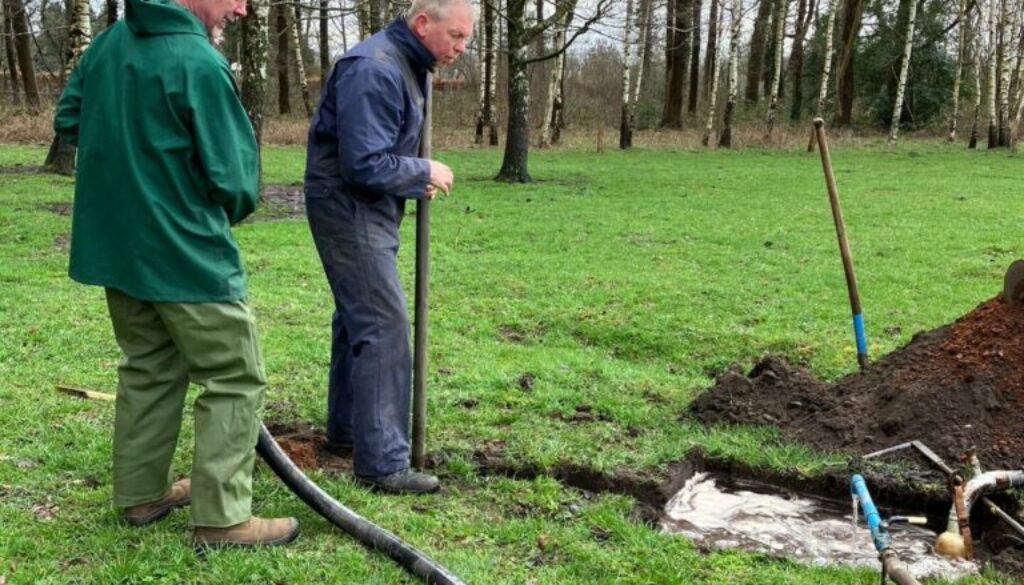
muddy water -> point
(719, 512)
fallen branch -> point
(79, 392)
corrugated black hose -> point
(365, 531)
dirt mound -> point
(957, 387)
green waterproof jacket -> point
(167, 160)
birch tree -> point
(780, 36)
(61, 157)
(826, 61)
(735, 13)
(23, 51)
(711, 50)
(901, 85)
(294, 33)
(958, 71)
(712, 95)
(488, 76)
(625, 128)
(255, 49)
(1004, 79)
(993, 129)
(973, 142)
(552, 125)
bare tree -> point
(780, 36)
(993, 129)
(294, 32)
(712, 46)
(12, 61)
(519, 37)
(693, 94)
(255, 49)
(958, 72)
(324, 41)
(826, 60)
(488, 75)
(1005, 38)
(735, 15)
(284, 103)
(552, 125)
(111, 12)
(713, 40)
(755, 59)
(901, 85)
(852, 15)
(973, 142)
(678, 52)
(61, 157)
(23, 50)
(804, 14)
(625, 125)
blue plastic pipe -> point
(880, 536)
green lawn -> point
(622, 281)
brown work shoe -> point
(253, 532)
(179, 495)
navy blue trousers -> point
(370, 383)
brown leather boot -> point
(179, 495)
(253, 532)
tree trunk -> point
(780, 37)
(1004, 82)
(901, 86)
(712, 87)
(517, 140)
(300, 65)
(488, 84)
(111, 12)
(284, 105)
(993, 129)
(12, 61)
(625, 129)
(23, 50)
(325, 45)
(694, 94)
(255, 49)
(957, 73)
(711, 51)
(826, 60)
(735, 17)
(61, 157)
(642, 22)
(796, 58)
(844, 75)
(755, 60)
(973, 142)
(672, 116)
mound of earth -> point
(954, 388)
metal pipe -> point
(844, 246)
(421, 315)
(991, 481)
(362, 529)
(1010, 520)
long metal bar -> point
(844, 246)
(421, 317)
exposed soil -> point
(955, 388)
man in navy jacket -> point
(362, 165)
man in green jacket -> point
(167, 161)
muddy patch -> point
(305, 445)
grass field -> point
(618, 281)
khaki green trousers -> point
(166, 345)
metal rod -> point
(421, 316)
(844, 246)
(1010, 520)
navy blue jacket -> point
(364, 139)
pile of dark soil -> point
(954, 388)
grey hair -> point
(436, 9)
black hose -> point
(365, 531)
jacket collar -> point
(413, 49)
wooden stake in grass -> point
(81, 393)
